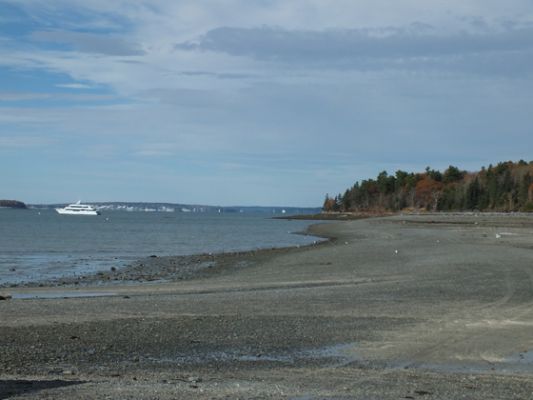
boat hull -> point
(81, 212)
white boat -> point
(78, 209)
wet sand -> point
(403, 307)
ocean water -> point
(41, 244)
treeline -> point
(507, 186)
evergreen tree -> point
(452, 174)
(472, 196)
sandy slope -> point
(433, 307)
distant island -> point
(12, 204)
(506, 187)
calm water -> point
(37, 244)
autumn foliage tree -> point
(508, 186)
(428, 193)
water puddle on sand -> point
(314, 397)
(520, 362)
(337, 355)
(59, 295)
(344, 354)
(517, 363)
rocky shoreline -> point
(171, 268)
(337, 216)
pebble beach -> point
(431, 306)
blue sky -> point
(261, 102)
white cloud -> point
(413, 47)
(74, 86)
(171, 17)
(249, 45)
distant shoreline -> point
(185, 208)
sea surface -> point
(41, 244)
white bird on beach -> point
(396, 251)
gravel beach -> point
(432, 306)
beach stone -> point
(6, 297)
(55, 371)
(68, 372)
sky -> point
(255, 102)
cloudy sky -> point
(261, 102)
